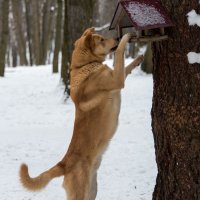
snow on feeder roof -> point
(145, 16)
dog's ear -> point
(88, 31)
(89, 42)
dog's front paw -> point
(123, 42)
(139, 59)
(126, 37)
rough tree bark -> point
(81, 15)
(176, 107)
(58, 35)
(4, 35)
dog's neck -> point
(79, 74)
(84, 58)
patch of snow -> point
(102, 27)
(144, 15)
(193, 57)
(36, 128)
(52, 8)
(193, 18)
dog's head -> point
(91, 47)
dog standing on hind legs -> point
(95, 91)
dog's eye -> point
(102, 39)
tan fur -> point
(95, 90)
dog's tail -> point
(39, 182)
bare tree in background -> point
(47, 21)
(58, 35)
(0, 18)
(19, 30)
(29, 29)
(78, 17)
(36, 31)
(4, 35)
(65, 50)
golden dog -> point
(95, 91)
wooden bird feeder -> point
(148, 18)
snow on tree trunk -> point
(193, 19)
(176, 107)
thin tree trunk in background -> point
(58, 36)
(14, 56)
(13, 43)
(36, 31)
(0, 18)
(65, 51)
(21, 40)
(176, 107)
(4, 35)
(46, 29)
(28, 27)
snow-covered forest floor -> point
(36, 126)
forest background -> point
(43, 31)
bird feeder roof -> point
(140, 14)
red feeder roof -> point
(141, 14)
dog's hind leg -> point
(77, 184)
(93, 188)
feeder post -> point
(146, 31)
(162, 31)
(138, 33)
(119, 32)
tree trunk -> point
(36, 31)
(78, 17)
(46, 29)
(0, 18)
(4, 35)
(176, 107)
(21, 41)
(14, 56)
(65, 51)
(81, 14)
(28, 27)
(58, 36)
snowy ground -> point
(36, 127)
